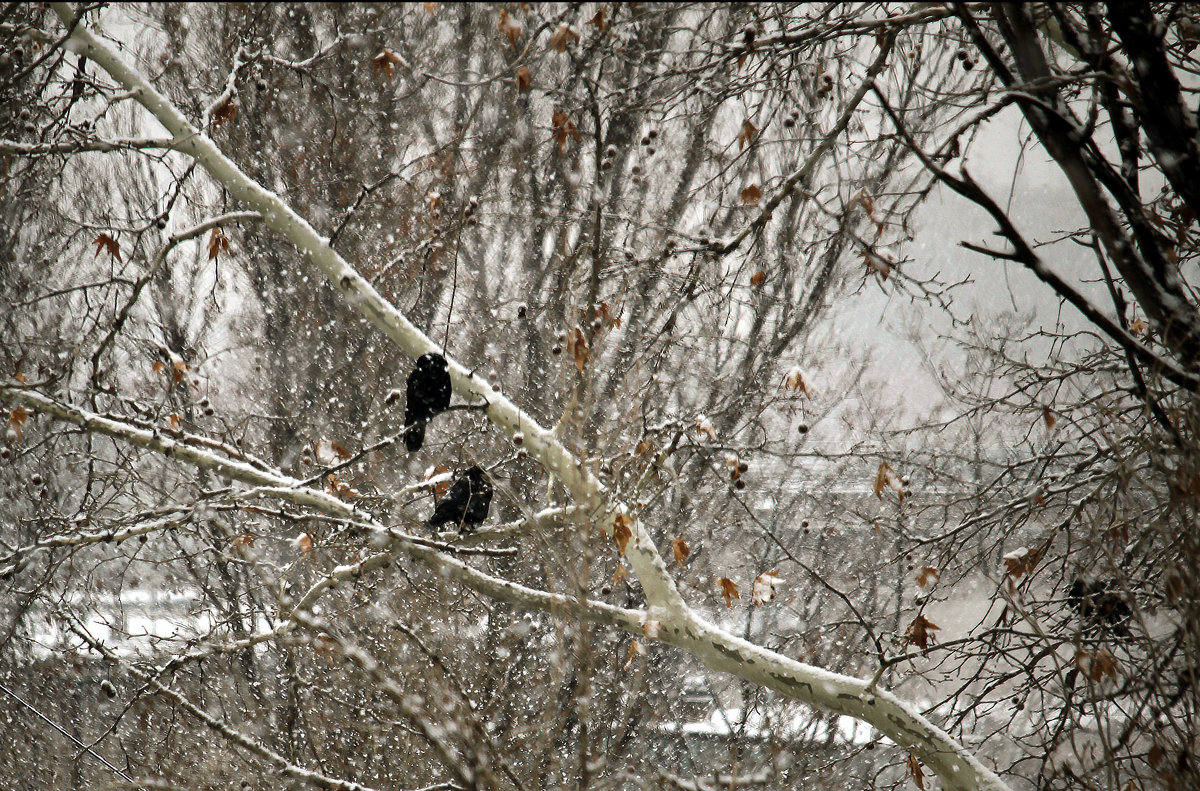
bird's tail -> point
(414, 436)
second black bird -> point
(467, 502)
(1099, 605)
(428, 394)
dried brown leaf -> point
(681, 550)
(1021, 561)
(913, 769)
(17, 418)
(384, 64)
(877, 265)
(864, 199)
(886, 478)
(764, 587)
(577, 347)
(622, 531)
(564, 129)
(563, 37)
(105, 243)
(795, 381)
(607, 314)
(441, 487)
(1098, 665)
(747, 133)
(510, 28)
(225, 113)
(729, 590)
(919, 632)
(218, 243)
(599, 21)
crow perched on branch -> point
(467, 502)
(1097, 605)
(428, 394)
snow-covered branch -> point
(275, 485)
(74, 146)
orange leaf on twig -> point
(920, 632)
(764, 587)
(729, 590)
(914, 771)
(1098, 665)
(746, 135)
(622, 532)
(886, 478)
(225, 113)
(384, 64)
(795, 381)
(577, 347)
(562, 37)
(105, 243)
(1021, 561)
(564, 128)
(17, 418)
(218, 243)
(681, 550)
(511, 29)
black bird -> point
(428, 394)
(467, 502)
(1097, 605)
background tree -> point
(1081, 660)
